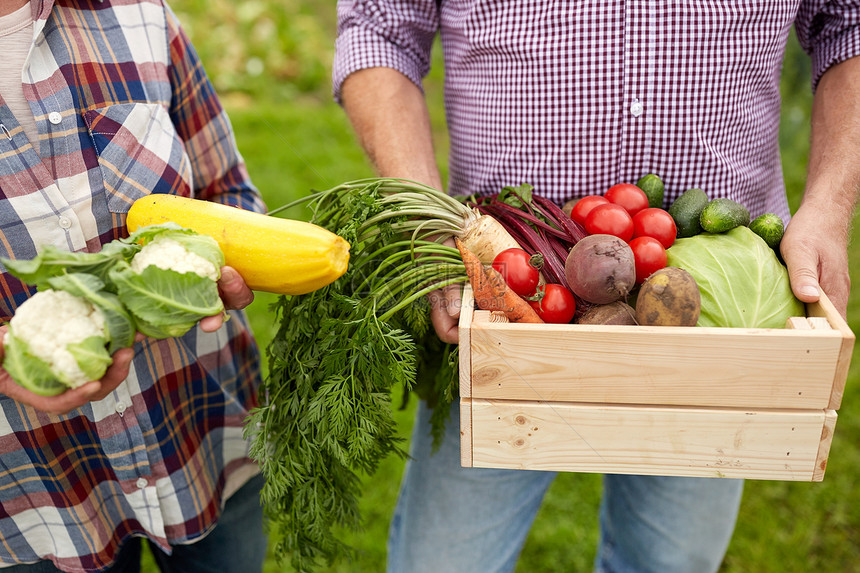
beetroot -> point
(600, 269)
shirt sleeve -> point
(220, 174)
(384, 33)
(829, 32)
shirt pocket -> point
(139, 153)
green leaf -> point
(518, 196)
(52, 262)
(92, 357)
(165, 303)
(29, 371)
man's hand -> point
(74, 397)
(445, 313)
(815, 250)
(235, 294)
(815, 245)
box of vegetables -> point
(691, 358)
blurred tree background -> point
(271, 62)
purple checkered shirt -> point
(574, 97)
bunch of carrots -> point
(325, 417)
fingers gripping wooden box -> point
(708, 402)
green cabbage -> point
(741, 281)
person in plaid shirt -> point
(573, 97)
(104, 102)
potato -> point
(669, 297)
(568, 206)
(614, 313)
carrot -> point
(515, 308)
(490, 290)
(485, 295)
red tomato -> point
(557, 306)
(650, 256)
(657, 223)
(628, 196)
(519, 274)
(583, 207)
(610, 219)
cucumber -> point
(686, 211)
(769, 227)
(721, 215)
(652, 185)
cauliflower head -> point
(56, 335)
(168, 254)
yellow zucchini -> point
(272, 254)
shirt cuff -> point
(358, 48)
(834, 50)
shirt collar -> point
(41, 9)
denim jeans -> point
(236, 545)
(475, 520)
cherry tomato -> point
(519, 274)
(610, 219)
(583, 207)
(650, 256)
(657, 223)
(628, 196)
(557, 305)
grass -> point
(295, 139)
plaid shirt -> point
(574, 97)
(123, 108)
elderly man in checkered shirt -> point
(573, 97)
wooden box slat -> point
(825, 309)
(647, 365)
(602, 438)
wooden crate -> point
(713, 402)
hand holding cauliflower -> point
(161, 281)
(56, 340)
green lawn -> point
(295, 139)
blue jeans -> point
(236, 545)
(475, 520)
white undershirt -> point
(16, 36)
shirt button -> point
(55, 117)
(64, 222)
(120, 408)
(142, 483)
(636, 108)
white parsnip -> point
(486, 237)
